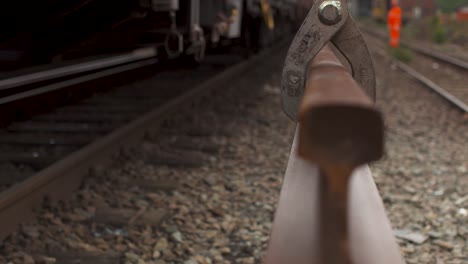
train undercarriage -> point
(35, 33)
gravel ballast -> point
(423, 178)
(213, 203)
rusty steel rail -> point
(330, 210)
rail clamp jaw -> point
(327, 21)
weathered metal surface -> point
(339, 123)
(340, 130)
(295, 236)
(327, 21)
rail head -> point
(339, 122)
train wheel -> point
(266, 37)
(250, 37)
(246, 49)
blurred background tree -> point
(449, 6)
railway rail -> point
(338, 217)
(119, 63)
(62, 146)
(329, 209)
(456, 94)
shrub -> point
(439, 35)
(402, 54)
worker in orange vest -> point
(394, 24)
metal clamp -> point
(327, 21)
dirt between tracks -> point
(203, 190)
(424, 176)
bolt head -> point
(330, 14)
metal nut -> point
(330, 12)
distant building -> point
(360, 8)
(418, 8)
(353, 7)
(462, 13)
(365, 8)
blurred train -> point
(36, 32)
(411, 9)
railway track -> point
(443, 74)
(30, 83)
(59, 148)
(39, 90)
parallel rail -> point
(426, 81)
(23, 86)
(83, 67)
(445, 93)
(58, 181)
(330, 210)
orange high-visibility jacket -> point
(394, 24)
(394, 17)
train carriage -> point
(71, 29)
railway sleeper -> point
(175, 158)
(111, 109)
(126, 217)
(44, 139)
(190, 143)
(32, 159)
(73, 257)
(62, 127)
(203, 130)
(86, 118)
(152, 185)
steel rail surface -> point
(432, 85)
(329, 209)
(78, 80)
(30, 78)
(58, 181)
